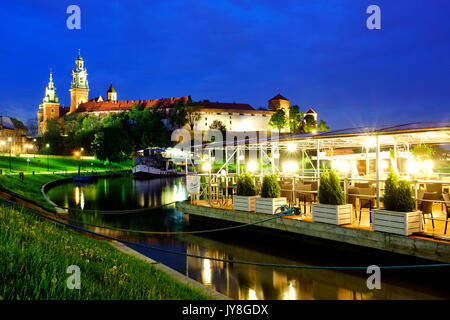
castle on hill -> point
(235, 116)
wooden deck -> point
(438, 213)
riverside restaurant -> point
(362, 157)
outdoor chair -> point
(437, 188)
(447, 206)
(420, 194)
(352, 198)
(365, 201)
(303, 195)
(427, 206)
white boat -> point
(153, 162)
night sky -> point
(318, 54)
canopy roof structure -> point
(404, 134)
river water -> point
(236, 280)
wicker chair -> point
(352, 198)
(427, 206)
(303, 195)
(365, 201)
(446, 197)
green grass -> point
(35, 254)
(39, 164)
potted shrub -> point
(331, 207)
(246, 194)
(399, 215)
(270, 196)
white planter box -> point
(269, 205)
(403, 223)
(332, 214)
(244, 203)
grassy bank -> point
(40, 163)
(35, 254)
(30, 187)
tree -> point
(112, 142)
(295, 118)
(218, 125)
(32, 127)
(192, 114)
(54, 138)
(323, 126)
(309, 124)
(179, 115)
(278, 120)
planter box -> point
(332, 214)
(402, 223)
(269, 205)
(244, 203)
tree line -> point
(113, 138)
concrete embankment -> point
(411, 246)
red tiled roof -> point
(124, 105)
(225, 106)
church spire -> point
(50, 91)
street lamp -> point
(10, 147)
(47, 146)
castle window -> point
(53, 110)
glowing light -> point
(47, 145)
(77, 154)
(2, 143)
(428, 166)
(251, 166)
(290, 166)
(370, 142)
(383, 165)
(206, 271)
(252, 294)
(412, 166)
(276, 156)
(342, 165)
(291, 147)
(290, 294)
(206, 166)
(9, 139)
(314, 131)
(77, 195)
(241, 157)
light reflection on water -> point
(234, 280)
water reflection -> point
(236, 280)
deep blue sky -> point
(319, 54)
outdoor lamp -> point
(342, 165)
(291, 147)
(370, 142)
(206, 166)
(251, 166)
(412, 166)
(290, 166)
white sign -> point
(193, 184)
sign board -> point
(193, 184)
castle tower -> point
(279, 102)
(79, 88)
(49, 108)
(111, 94)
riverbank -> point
(44, 164)
(30, 187)
(35, 254)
